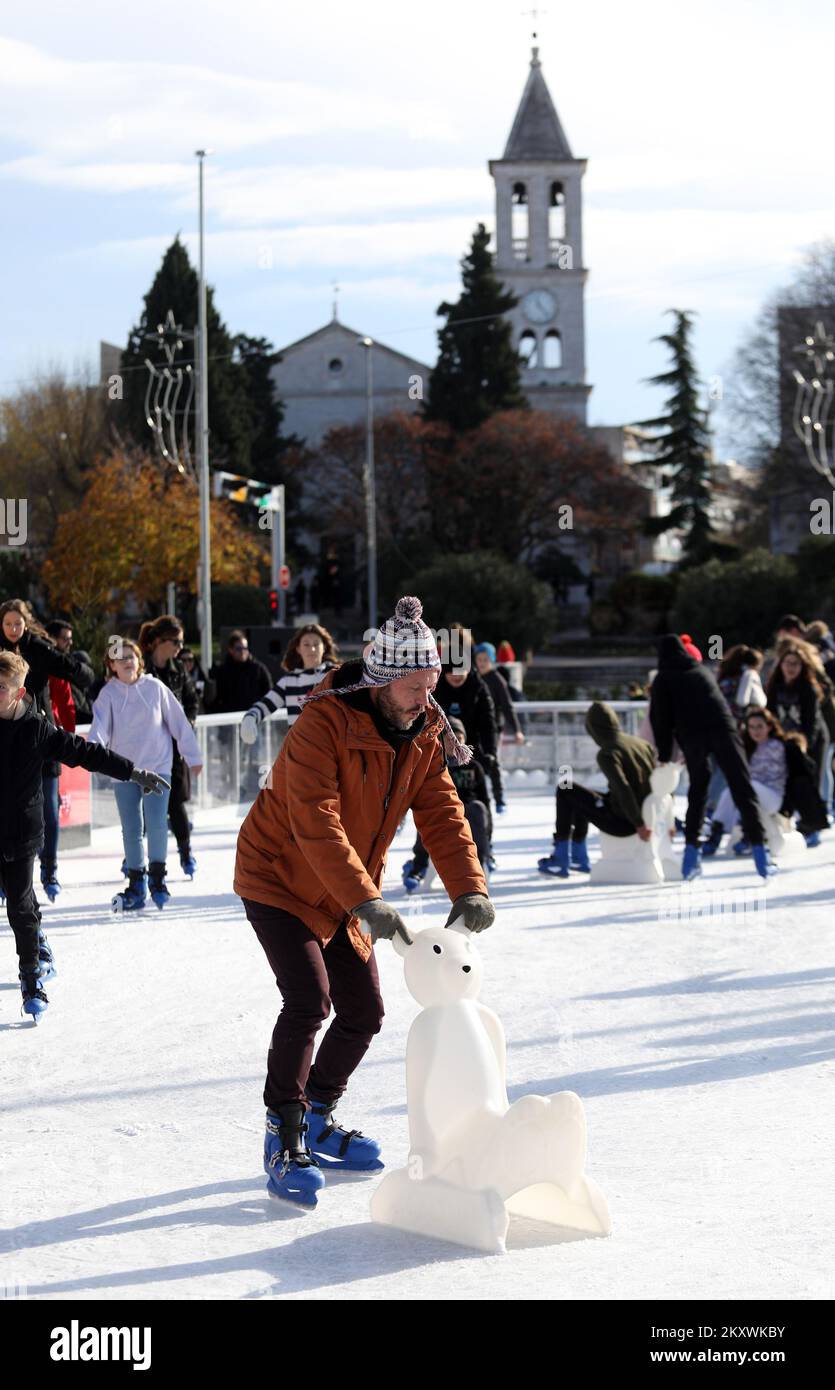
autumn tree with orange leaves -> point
(135, 530)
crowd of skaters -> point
(756, 739)
(404, 728)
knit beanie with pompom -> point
(403, 645)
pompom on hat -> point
(402, 645)
(690, 646)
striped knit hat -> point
(403, 645)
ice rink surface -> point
(702, 1047)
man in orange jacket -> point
(369, 745)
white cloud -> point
(75, 110)
(336, 245)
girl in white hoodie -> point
(137, 716)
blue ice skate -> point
(501, 807)
(49, 881)
(691, 864)
(742, 847)
(34, 996)
(412, 877)
(292, 1172)
(157, 886)
(134, 897)
(580, 856)
(813, 839)
(188, 863)
(335, 1147)
(556, 863)
(47, 960)
(763, 862)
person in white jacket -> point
(137, 716)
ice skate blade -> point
(372, 1165)
(292, 1199)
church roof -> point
(536, 132)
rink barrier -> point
(557, 745)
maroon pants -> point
(311, 978)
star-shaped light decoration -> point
(169, 335)
(818, 348)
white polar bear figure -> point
(784, 842)
(626, 858)
(474, 1159)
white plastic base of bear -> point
(784, 842)
(474, 1159)
(627, 859)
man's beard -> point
(392, 713)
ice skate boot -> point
(412, 877)
(763, 862)
(34, 996)
(580, 856)
(49, 881)
(292, 1172)
(157, 885)
(556, 863)
(134, 897)
(691, 864)
(47, 960)
(335, 1147)
(188, 863)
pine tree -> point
(477, 372)
(257, 358)
(681, 446)
(242, 410)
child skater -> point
(471, 786)
(311, 653)
(27, 741)
(137, 716)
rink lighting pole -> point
(203, 444)
(369, 484)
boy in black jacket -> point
(27, 740)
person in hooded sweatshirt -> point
(687, 705)
(626, 762)
(27, 741)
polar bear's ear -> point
(458, 926)
(400, 945)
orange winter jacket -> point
(315, 840)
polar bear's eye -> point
(438, 950)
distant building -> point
(321, 380)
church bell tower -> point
(539, 251)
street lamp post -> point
(369, 485)
(203, 445)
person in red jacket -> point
(370, 744)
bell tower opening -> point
(520, 222)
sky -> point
(350, 145)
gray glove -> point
(380, 921)
(474, 911)
(149, 781)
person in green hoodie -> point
(627, 764)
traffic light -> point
(273, 603)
